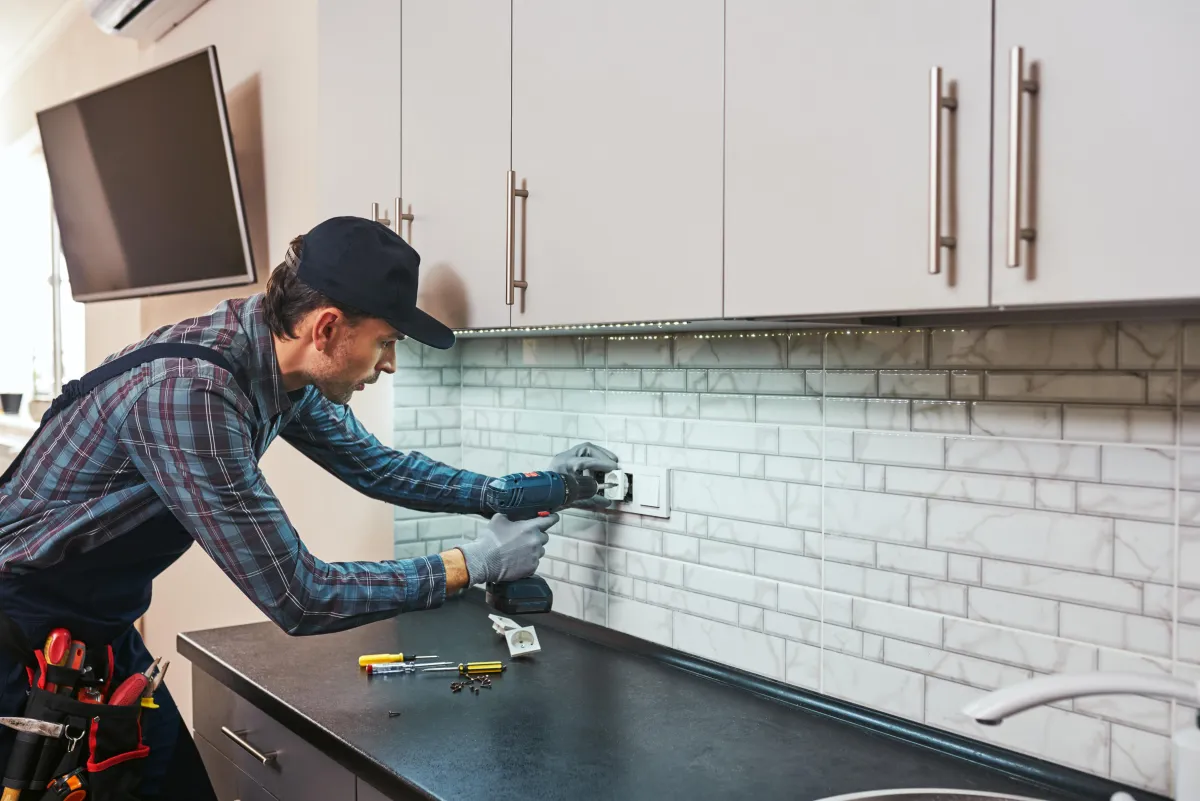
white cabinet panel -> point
(827, 155)
(1111, 166)
(617, 127)
(455, 154)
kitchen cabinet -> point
(1107, 152)
(358, 97)
(828, 166)
(616, 136)
(455, 154)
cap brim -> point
(426, 330)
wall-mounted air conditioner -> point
(145, 20)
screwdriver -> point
(384, 659)
(381, 670)
(472, 667)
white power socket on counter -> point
(639, 490)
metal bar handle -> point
(1017, 87)
(236, 736)
(510, 235)
(405, 216)
(937, 102)
(375, 216)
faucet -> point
(994, 707)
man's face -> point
(355, 355)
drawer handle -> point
(937, 102)
(405, 216)
(236, 736)
(510, 243)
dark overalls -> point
(97, 596)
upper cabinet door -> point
(829, 156)
(358, 99)
(1107, 164)
(617, 131)
(455, 154)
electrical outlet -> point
(639, 490)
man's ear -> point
(324, 324)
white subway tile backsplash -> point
(1005, 490)
(750, 350)
(891, 689)
(748, 650)
(1034, 651)
(1071, 347)
(1045, 731)
(1046, 538)
(954, 508)
(1037, 421)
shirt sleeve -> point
(330, 435)
(192, 446)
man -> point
(124, 476)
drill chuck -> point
(522, 496)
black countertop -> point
(579, 720)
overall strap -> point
(74, 390)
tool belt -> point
(97, 753)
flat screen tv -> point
(145, 185)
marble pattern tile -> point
(775, 538)
(759, 591)
(1009, 609)
(1141, 758)
(788, 409)
(751, 617)
(1065, 585)
(665, 380)
(1148, 345)
(847, 550)
(843, 383)
(1146, 426)
(681, 404)
(885, 348)
(484, 352)
(621, 380)
(1054, 496)
(731, 350)
(1130, 503)
(1071, 347)
(1115, 629)
(965, 385)
(757, 382)
(738, 408)
(640, 619)
(789, 627)
(913, 561)
(909, 384)
(889, 518)
(898, 622)
(634, 352)
(692, 602)
(891, 689)
(731, 437)
(545, 352)
(1032, 420)
(1003, 490)
(956, 667)
(916, 450)
(748, 650)
(788, 567)
(727, 556)
(1014, 457)
(966, 569)
(1041, 538)
(803, 665)
(941, 417)
(806, 348)
(1094, 387)
(1034, 651)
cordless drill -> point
(523, 496)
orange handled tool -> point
(56, 650)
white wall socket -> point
(647, 488)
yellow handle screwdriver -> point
(387, 659)
(472, 667)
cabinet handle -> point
(236, 736)
(375, 216)
(1018, 85)
(510, 236)
(406, 217)
(937, 102)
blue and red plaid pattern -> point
(179, 435)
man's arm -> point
(330, 435)
(192, 446)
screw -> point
(393, 714)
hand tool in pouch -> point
(70, 787)
(54, 749)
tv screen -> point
(145, 185)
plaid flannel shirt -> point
(179, 435)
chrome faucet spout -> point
(996, 706)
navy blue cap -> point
(366, 265)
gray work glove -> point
(588, 457)
(507, 550)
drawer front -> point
(228, 780)
(243, 733)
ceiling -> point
(20, 20)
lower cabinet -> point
(250, 756)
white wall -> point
(268, 55)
